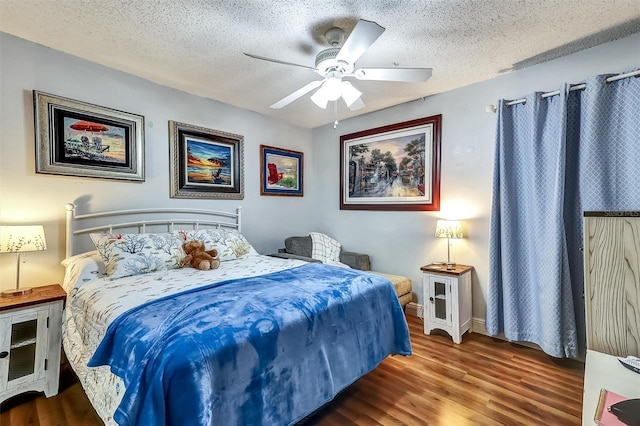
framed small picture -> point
(280, 171)
(205, 163)
(394, 167)
(75, 138)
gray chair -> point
(301, 247)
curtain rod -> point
(578, 87)
(581, 86)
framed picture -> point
(79, 139)
(280, 171)
(394, 167)
(205, 163)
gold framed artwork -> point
(205, 163)
(76, 138)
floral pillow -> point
(230, 243)
(134, 254)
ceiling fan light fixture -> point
(320, 98)
(358, 104)
(333, 88)
(349, 93)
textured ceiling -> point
(197, 45)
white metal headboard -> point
(145, 220)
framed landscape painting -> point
(79, 139)
(280, 171)
(205, 163)
(394, 167)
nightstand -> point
(447, 299)
(30, 341)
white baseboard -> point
(414, 309)
(477, 324)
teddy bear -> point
(198, 257)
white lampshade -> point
(19, 239)
(448, 229)
(320, 98)
(334, 88)
(15, 239)
(349, 93)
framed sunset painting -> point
(80, 139)
(205, 163)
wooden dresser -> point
(612, 305)
(612, 282)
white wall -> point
(30, 198)
(398, 242)
(401, 242)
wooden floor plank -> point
(483, 381)
(50, 412)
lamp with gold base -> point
(20, 239)
(449, 229)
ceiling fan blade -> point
(362, 36)
(278, 61)
(358, 104)
(297, 94)
(394, 74)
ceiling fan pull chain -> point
(335, 113)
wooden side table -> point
(30, 341)
(447, 299)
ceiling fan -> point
(337, 63)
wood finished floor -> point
(483, 381)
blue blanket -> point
(263, 350)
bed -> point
(259, 340)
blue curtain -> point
(556, 158)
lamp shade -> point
(448, 229)
(349, 93)
(16, 239)
(320, 98)
(334, 88)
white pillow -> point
(68, 261)
(82, 268)
(230, 243)
(134, 254)
(326, 249)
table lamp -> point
(19, 239)
(449, 229)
